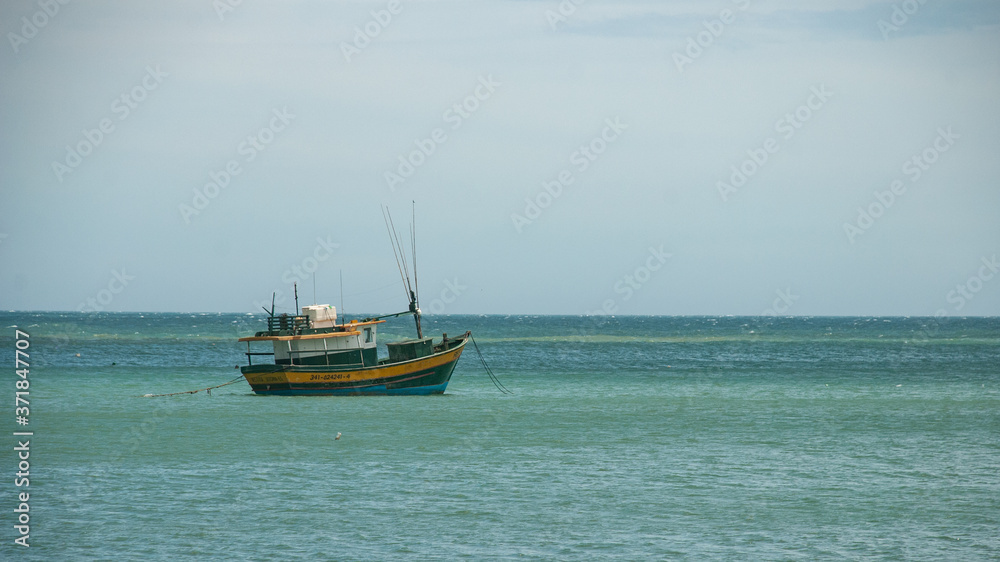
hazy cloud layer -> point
(834, 158)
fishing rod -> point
(399, 252)
(392, 240)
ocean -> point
(630, 438)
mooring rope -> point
(209, 389)
(493, 377)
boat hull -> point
(426, 375)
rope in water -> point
(489, 372)
(209, 389)
(493, 377)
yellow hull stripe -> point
(360, 375)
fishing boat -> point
(314, 354)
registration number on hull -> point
(329, 377)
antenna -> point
(342, 293)
(295, 286)
(413, 242)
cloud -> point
(783, 21)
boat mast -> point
(399, 252)
(416, 287)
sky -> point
(718, 157)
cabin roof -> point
(322, 335)
(319, 336)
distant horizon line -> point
(91, 312)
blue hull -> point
(375, 390)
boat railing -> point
(250, 354)
(287, 323)
(293, 361)
(296, 354)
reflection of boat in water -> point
(313, 354)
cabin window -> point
(368, 335)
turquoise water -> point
(626, 438)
